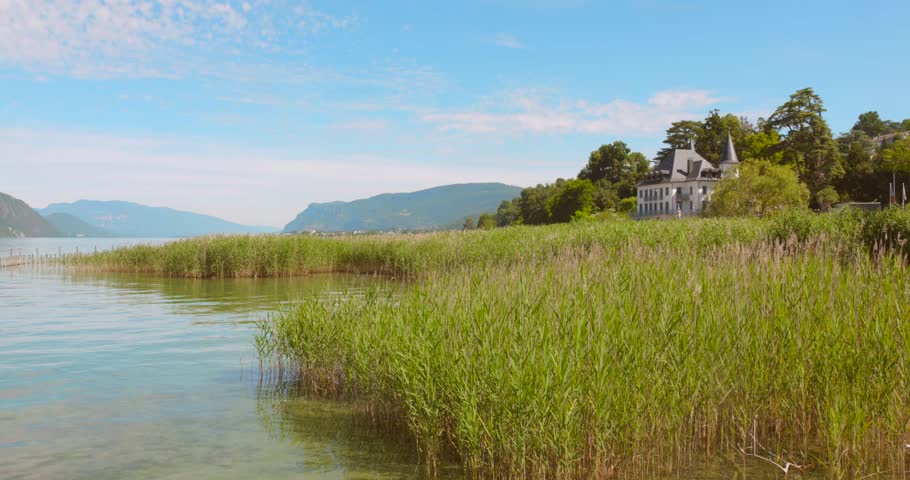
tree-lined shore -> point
(794, 148)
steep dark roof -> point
(675, 168)
(729, 155)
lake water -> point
(134, 376)
(116, 376)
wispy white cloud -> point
(148, 38)
(507, 40)
(524, 111)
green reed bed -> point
(410, 256)
(600, 358)
(602, 347)
(407, 256)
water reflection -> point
(194, 296)
(334, 435)
(130, 376)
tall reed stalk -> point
(594, 359)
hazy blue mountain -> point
(127, 219)
(433, 208)
(72, 226)
(17, 219)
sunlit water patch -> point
(129, 376)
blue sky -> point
(250, 110)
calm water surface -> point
(127, 376)
(132, 376)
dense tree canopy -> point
(897, 156)
(618, 165)
(574, 198)
(486, 221)
(871, 124)
(708, 136)
(532, 204)
(787, 160)
(714, 135)
(760, 188)
(762, 145)
(507, 213)
(806, 142)
(679, 135)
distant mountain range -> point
(127, 219)
(431, 209)
(434, 208)
(17, 219)
(72, 226)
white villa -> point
(682, 183)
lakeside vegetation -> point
(605, 345)
(405, 256)
(580, 344)
(794, 143)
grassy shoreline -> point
(597, 348)
(586, 362)
(406, 256)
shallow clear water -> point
(134, 376)
(127, 376)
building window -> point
(679, 190)
(690, 190)
(704, 190)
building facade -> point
(682, 183)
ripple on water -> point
(106, 376)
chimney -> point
(689, 166)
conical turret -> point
(728, 160)
(729, 155)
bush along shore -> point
(602, 348)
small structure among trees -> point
(683, 181)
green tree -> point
(532, 204)
(897, 156)
(628, 205)
(574, 198)
(679, 135)
(806, 141)
(605, 195)
(760, 188)
(871, 124)
(507, 213)
(863, 174)
(714, 135)
(486, 221)
(616, 164)
(762, 145)
(468, 224)
(827, 197)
